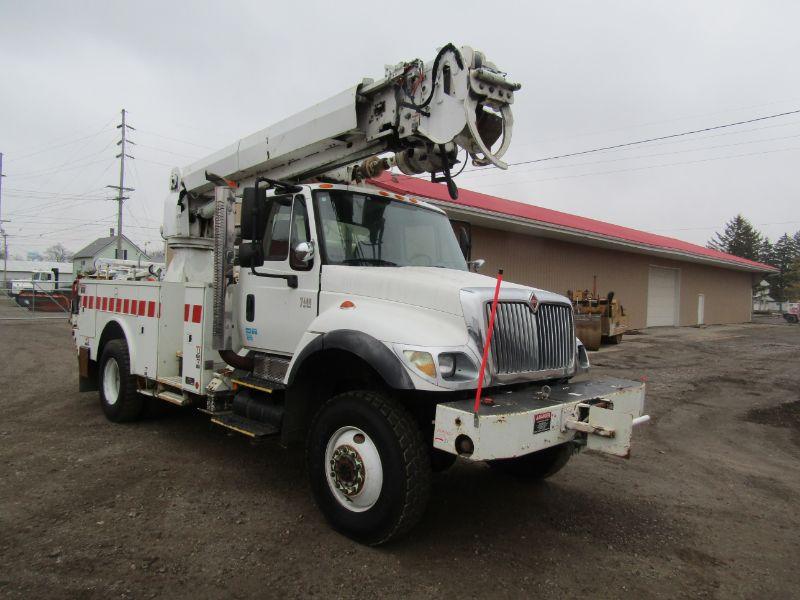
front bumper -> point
(599, 414)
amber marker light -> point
(422, 361)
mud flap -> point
(87, 371)
(614, 432)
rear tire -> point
(118, 396)
(368, 467)
(441, 460)
(536, 466)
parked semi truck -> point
(340, 316)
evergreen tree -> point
(793, 290)
(740, 238)
(784, 258)
(766, 252)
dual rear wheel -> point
(118, 396)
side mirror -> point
(304, 252)
(476, 265)
(254, 213)
(251, 254)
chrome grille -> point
(555, 334)
(523, 341)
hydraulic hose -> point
(236, 361)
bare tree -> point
(57, 253)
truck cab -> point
(40, 281)
(388, 269)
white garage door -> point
(662, 297)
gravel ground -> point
(175, 508)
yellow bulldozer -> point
(598, 319)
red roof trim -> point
(467, 198)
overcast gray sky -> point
(196, 76)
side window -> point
(463, 233)
(276, 235)
(300, 233)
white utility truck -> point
(40, 281)
(336, 314)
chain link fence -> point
(26, 299)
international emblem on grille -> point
(533, 302)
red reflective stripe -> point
(142, 304)
(151, 308)
(91, 301)
(105, 303)
(197, 310)
(125, 306)
(185, 313)
(119, 305)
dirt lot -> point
(175, 508)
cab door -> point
(274, 314)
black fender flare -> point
(365, 347)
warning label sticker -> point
(541, 422)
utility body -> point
(301, 302)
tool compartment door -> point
(87, 315)
(198, 355)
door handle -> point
(250, 308)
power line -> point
(52, 146)
(145, 131)
(45, 172)
(653, 139)
(491, 169)
(157, 149)
(658, 154)
(721, 226)
(689, 162)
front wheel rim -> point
(353, 469)
(111, 381)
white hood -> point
(427, 287)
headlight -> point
(422, 361)
(447, 365)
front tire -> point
(118, 396)
(536, 466)
(368, 467)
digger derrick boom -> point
(422, 112)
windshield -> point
(361, 229)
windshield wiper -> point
(368, 261)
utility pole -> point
(121, 189)
(2, 229)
